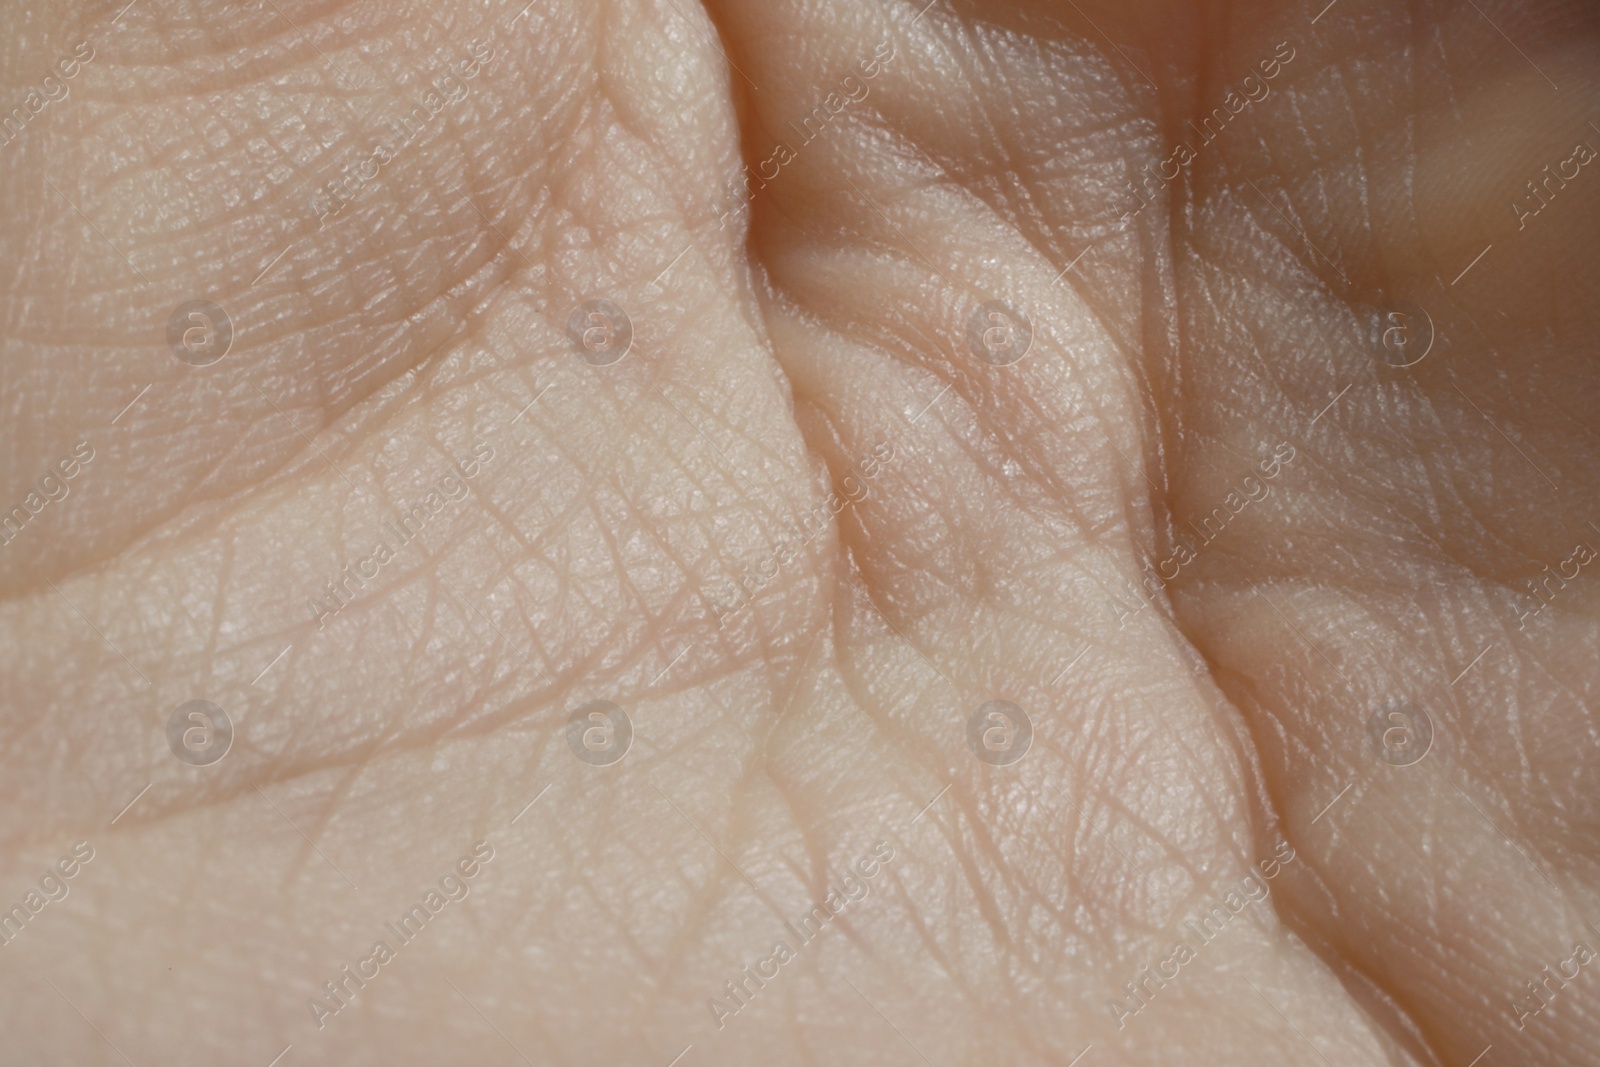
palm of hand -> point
(1211, 547)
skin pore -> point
(1198, 668)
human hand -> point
(1284, 681)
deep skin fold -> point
(1174, 351)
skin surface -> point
(802, 532)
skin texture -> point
(917, 531)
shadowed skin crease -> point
(1043, 532)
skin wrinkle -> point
(956, 383)
(413, 317)
(287, 38)
(991, 632)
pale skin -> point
(802, 531)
